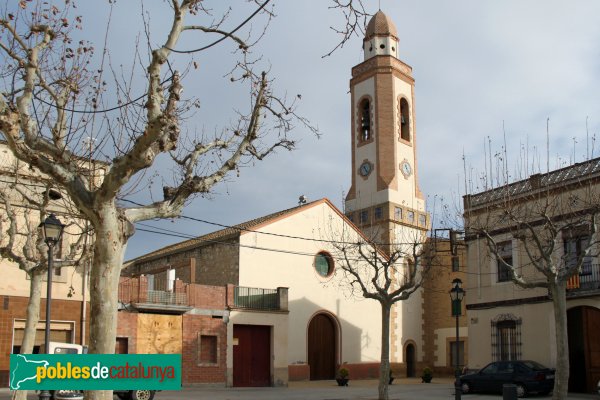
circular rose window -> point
(324, 264)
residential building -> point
(509, 322)
(21, 186)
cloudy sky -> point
(486, 72)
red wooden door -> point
(251, 355)
(321, 347)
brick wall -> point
(13, 307)
(298, 372)
(204, 296)
(362, 370)
(194, 371)
(437, 311)
(127, 328)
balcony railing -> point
(587, 280)
(165, 297)
(256, 298)
(137, 291)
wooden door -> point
(321, 347)
(584, 348)
(251, 355)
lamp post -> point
(456, 295)
(52, 230)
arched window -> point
(365, 120)
(404, 120)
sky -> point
(524, 73)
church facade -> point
(291, 254)
(260, 303)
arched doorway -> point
(409, 358)
(583, 324)
(322, 347)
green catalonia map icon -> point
(23, 369)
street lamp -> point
(456, 295)
(52, 230)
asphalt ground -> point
(405, 389)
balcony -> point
(139, 293)
(249, 298)
(586, 283)
(154, 295)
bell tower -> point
(384, 199)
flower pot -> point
(342, 381)
(391, 379)
(427, 378)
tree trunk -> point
(109, 248)
(384, 366)
(561, 379)
(32, 318)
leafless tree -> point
(540, 217)
(387, 274)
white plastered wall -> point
(359, 319)
(279, 342)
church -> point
(277, 312)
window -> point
(457, 351)
(506, 338)
(208, 349)
(397, 213)
(350, 217)
(455, 264)
(574, 249)
(422, 220)
(490, 369)
(411, 216)
(504, 252)
(365, 120)
(324, 264)
(364, 216)
(404, 120)
(378, 213)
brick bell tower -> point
(384, 199)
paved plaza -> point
(405, 389)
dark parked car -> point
(528, 376)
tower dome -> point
(381, 37)
(381, 25)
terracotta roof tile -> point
(380, 25)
